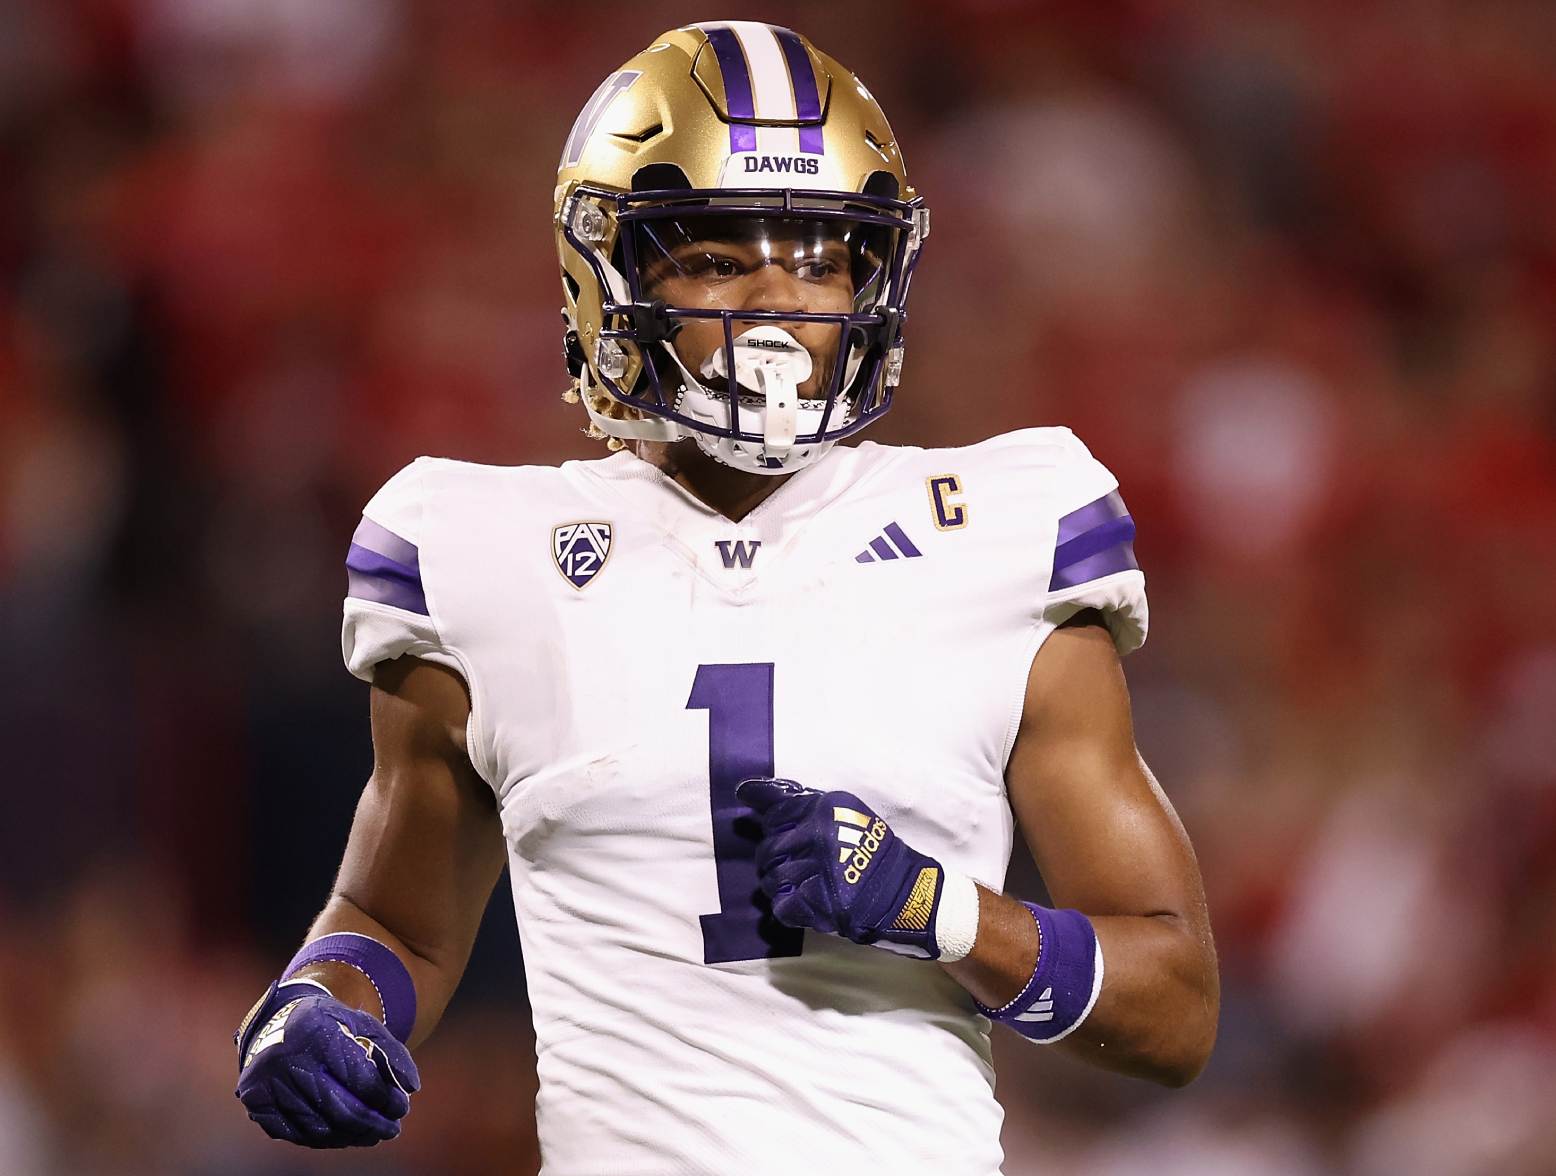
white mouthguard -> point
(772, 363)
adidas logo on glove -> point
(859, 838)
(912, 905)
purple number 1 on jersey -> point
(739, 702)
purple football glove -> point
(830, 863)
(315, 1072)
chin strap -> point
(639, 429)
(781, 421)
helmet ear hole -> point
(882, 184)
(572, 353)
(659, 177)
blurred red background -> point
(1288, 268)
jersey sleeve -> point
(1094, 563)
(387, 614)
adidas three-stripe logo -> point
(891, 543)
(1042, 1008)
(851, 824)
(859, 839)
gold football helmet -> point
(737, 235)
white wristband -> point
(956, 919)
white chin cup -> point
(770, 364)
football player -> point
(750, 716)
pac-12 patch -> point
(580, 550)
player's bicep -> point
(426, 845)
(1104, 836)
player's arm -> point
(1108, 844)
(425, 850)
(1130, 983)
(426, 845)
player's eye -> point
(710, 266)
(817, 269)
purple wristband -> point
(383, 969)
(1065, 981)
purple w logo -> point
(738, 551)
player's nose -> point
(772, 287)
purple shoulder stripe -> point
(384, 541)
(1095, 541)
(384, 568)
(1093, 514)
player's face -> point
(769, 264)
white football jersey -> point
(631, 656)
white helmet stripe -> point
(770, 84)
(771, 87)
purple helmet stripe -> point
(737, 86)
(375, 577)
(807, 98)
(386, 543)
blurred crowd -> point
(1289, 268)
